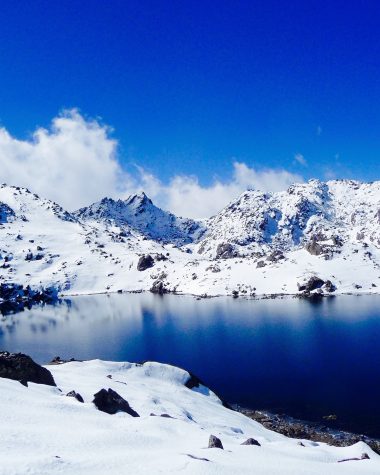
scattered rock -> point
(161, 257)
(225, 251)
(251, 441)
(312, 284)
(145, 262)
(329, 286)
(275, 256)
(314, 248)
(215, 443)
(22, 368)
(363, 456)
(158, 287)
(76, 395)
(197, 458)
(111, 402)
(260, 264)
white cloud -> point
(185, 196)
(299, 158)
(75, 163)
(319, 130)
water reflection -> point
(287, 355)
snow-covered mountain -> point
(138, 213)
(317, 236)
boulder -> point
(314, 248)
(312, 284)
(21, 367)
(158, 287)
(215, 443)
(251, 441)
(145, 262)
(111, 402)
(329, 286)
(225, 251)
(75, 395)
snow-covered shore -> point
(45, 432)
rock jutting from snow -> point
(22, 368)
(215, 443)
(111, 402)
(75, 395)
(145, 262)
(251, 441)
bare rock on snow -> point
(21, 367)
(312, 284)
(225, 251)
(111, 402)
(215, 443)
(251, 441)
(75, 395)
(145, 262)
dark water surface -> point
(292, 356)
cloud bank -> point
(75, 162)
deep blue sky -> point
(189, 85)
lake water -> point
(291, 356)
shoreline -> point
(307, 430)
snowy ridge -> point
(138, 213)
(46, 432)
(262, 243)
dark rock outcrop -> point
(329, 286)
(75, 395)
(251, 441)
(6, 213)
(215, 443)
(225, 251)
(145, 262)
(312, 284)
(20, 367)
(111, 402)
(158, 287)
(314, 248)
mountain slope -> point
(262, 243)
(138, 213)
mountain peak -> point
(139, 199)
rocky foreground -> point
(96, 417)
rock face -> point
(145, 262)
(215, 443)
(111, 402)
(21, 367)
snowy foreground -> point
(45, 432)
(262, 243)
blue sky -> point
(189, 87)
